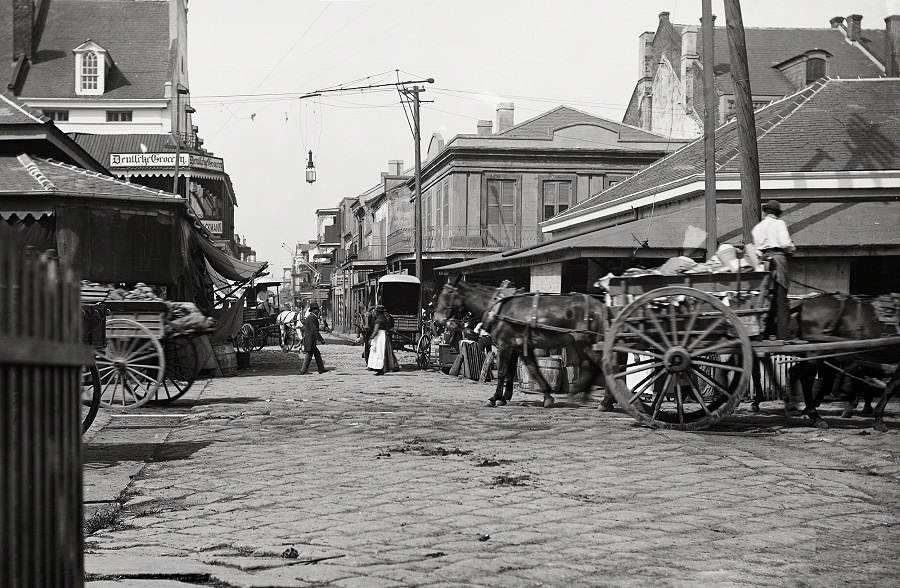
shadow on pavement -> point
(112, 453)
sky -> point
(250, 61)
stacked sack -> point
(186, 319)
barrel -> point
(226, 358)
(243, 359)
(550, 367)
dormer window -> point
(806, 68)
(89, 72)
(92, 62)
(815, 69)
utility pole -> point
(709, 128)
(746, 122)
(418, 207)
(179, 90)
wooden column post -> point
(743, 104)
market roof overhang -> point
(838, 227)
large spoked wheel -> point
(677, 358)
(246, 338)
(90, 396)
(423, 351)
(259, 340)
(183, 365)
(131, 366)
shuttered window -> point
(501, 204)
(815, 69)
(557, 197)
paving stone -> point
(386, 473)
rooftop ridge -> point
(19, 107)
(110, 179)
(35, 172)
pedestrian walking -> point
(381, 354)
(311, 339)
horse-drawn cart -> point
(681, 350)
(139, 357)
(399, 294)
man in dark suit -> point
(311, 339)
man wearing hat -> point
(311, 339)
(771, 238)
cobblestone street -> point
(268, 478)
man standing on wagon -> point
(311, 340)
(771, 238)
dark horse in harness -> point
(830, 318)
(521, 322)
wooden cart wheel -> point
(677, 358)
(246, 338)
(131, 366)
(183, 365)
(259, 339)
(90, 396)
(423, 351)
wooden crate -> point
(148, 313)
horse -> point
(286, 320)
(835, 317)
(520, 322)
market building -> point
(105, 229)
(668, 96)
(114, 74)
(830, 153)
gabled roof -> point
(135, 34)
(544, 125)
(829, 126)
(25, 129)
(33, 174)
(768, 47)
(13, 112)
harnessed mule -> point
(832, 317)
(521, 322)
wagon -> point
(135, 362)
(399, 294)
(680, 352)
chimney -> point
(854, 27)
(505, 116)
(485, 128)
(836, 22)
(645, 50)
(689, 58)
(395, 167)
(23, 28)
(892, 46)
(664, 16)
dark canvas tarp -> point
(229, 267)
(117, 244)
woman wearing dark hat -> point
(311, 338)
(771, 238)
(381, 354)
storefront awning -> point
(229, 267)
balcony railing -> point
(372, 253)
(465, 238)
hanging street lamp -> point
(310, 169)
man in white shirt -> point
(771, 238)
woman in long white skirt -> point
(381, 354)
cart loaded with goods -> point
(145, 348)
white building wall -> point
(546, 278)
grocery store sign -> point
(214, 227)
(186, 160)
